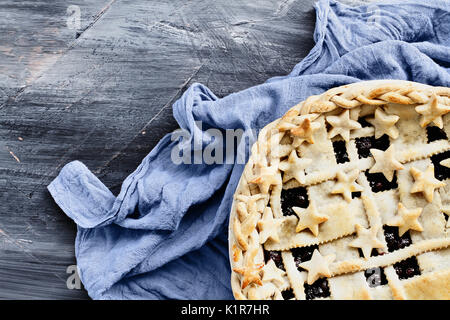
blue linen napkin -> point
(165, 235)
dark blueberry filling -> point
(374, 253)
(356, 195)
(394, 241)
(375, 277)
(446, 216)
(441, 172)
(288, 294)
(276, 257)
(363, 122)
(364, 144)
(340, 151)
(378, 182)
(296, 197)
(382, 142)
(434, 133)
(318, 289)
(407, 268)
(303, 254)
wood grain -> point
(103, 94)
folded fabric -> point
(165, 235)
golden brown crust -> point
(433, 286)
(262, 177)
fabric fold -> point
(82, 196)
(165, 235)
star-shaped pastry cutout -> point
(305, 129)
(425, 182)
(268, 176)
(385, 162)
(250, 201)
(318, 266)
(366, 240)
(432, 111)
(309, 218)
(281, 151)
(384, 124)
(271, 273)
(287, 121)
(445, 163)
(346, 184)
(268, 227)
(250, 272)
(342, 125)
(406, 219)
(294, 167)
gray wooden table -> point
(95, 80)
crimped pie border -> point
(373, 92)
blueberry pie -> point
(347, 197)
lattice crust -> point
(347, 197)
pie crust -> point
(348, 187)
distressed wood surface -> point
(102, 93)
